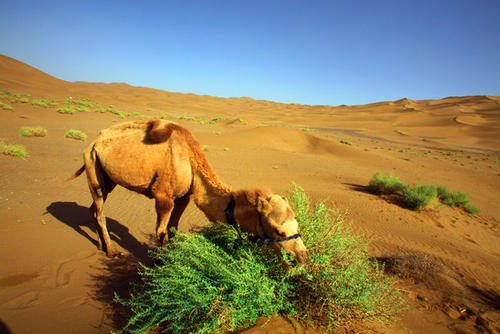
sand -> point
(54, 280)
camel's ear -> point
(263, 206)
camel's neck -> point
(211, 196)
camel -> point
(162, 160)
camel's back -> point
(131, 158)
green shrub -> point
(339, 284)
(75, 134)
(214, 282)
(470, 208)
(13, 150)
(29, 131)
(385, 184)
(65, 109)
(202, 283)
(345, 142)
(5, 106)
(23, 100)
(42, 103)
(82, 109)
(78, 103)
(416, 197)
(451, 198)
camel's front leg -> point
(164, 207)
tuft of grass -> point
(13, 150)
(82, 109)
(43, 103)
(416, 197)
(214, 282)
(472, 209)
(342, 141)
(385, 184)
(30, 131)
(75, 134)
(65, 109)
(5, 106)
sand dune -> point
(53, 276)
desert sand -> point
(447, 261)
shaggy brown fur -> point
(163, 160)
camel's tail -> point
(77, 173)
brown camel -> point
(163, 160)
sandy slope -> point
(52, 278)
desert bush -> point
(416, 197)
(29, 131)
(13, 149)
(216, 282)
(78, 103)
(385, 184)
(342, 141)
(42, 103)
(23, 100)
(65, 109)
(5, 106)
(339, 284)
(75, 134)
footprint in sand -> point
(63, 274)
(23, 301)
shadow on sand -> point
(111, 275)
(77, 216)
(391, 198)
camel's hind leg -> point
(100, 186)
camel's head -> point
(278, 224)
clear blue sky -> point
(310, 52)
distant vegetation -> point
(29, 131)
(75, 134)
(5, 106)
(214, 282)
(13, 149)
(345, 142)
(417, 196)
(65, 109)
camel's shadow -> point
(77, 216)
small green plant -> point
(226, 149)
(65, 109)
(13, 150)
(5, 106)
(82, 109)
(24, 100)
(385, 184)
(83, 103)
(3, 91)
(43, 103)
(75, 134)
(345, 142)
(29, 131)
(416, 197)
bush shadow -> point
(77, 217)
(115, 277)
(391, 198)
